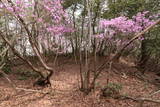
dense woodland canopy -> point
(94, 34)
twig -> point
(16, 88)
(155, 93)
(9, 80)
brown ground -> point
(65, 93)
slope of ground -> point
(65, 92)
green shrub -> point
(111, 90)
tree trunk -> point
(144, 55)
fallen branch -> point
(9, 80)
(155, 93)
(16, 88)
(31, 90)
(141, 99)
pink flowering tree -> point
(121, 29)
(39, 20)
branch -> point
(7, 78)
(35, 49)
(31, 90)
(117, 56)
(18, 54)
(155, 93)
(16, 88)
(141, 99)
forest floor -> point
(65, 92)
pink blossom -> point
(99, 36)
(10, 9)
(1, 6)
(124, 27)
(39, 20)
